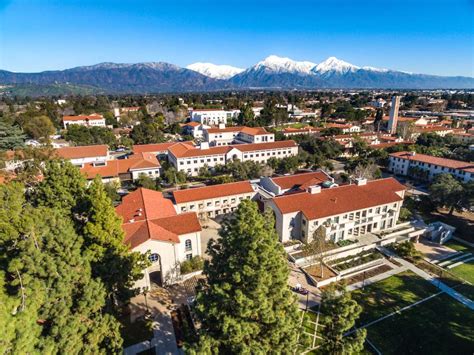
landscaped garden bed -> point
(355, 260)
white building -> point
(280, 185)
(213, 117)
(426, 167)
(211, 201)
(190, 159)
(151, 225)
(84, 154)
(119, 170)
(195, 129)
(237, 134)
(379, 103)
(94, 120)
(345, 212)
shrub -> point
(194, 264)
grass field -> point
(465, 271)
(440, 325)
(391, 294)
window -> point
(188, 245)
(154, 257)
(189, 256)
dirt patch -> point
(315, 272)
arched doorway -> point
(155, 270)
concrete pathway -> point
(164, 340)
(298, 277)
(435, 281)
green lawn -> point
(391, 294)
(454, 244)
(440, 325)
(465, 271)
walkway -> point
(435, 281)
(299, 277)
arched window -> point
(188, 245)
(154, 257)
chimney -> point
(393, 120)
(361, 181)
(204, 145)
(412, 154)
(221, 125)
(315, 189)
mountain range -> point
(271, 73)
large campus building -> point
(345, 212)
(190, 159)
(212, 117)
(426, 167)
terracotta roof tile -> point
(83, 117)
(423, 158)
(343, 199)
(82, 151)
(148, 215)
(298, 180)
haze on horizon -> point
(429, 37)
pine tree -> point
(247, 306)
(112, 261)
(51, 302)
(62, 188)
(339, 313)
(11, 136)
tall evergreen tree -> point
(339, 313)
(112, 261)
(62, 188)
(11, 136)
(50, 301)
(247, 306)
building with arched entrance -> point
(152, 226)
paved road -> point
(435, 281)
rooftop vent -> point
(204, 145)
(315, 189)
(361, 181)
(131, 220)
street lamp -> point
(145, 292)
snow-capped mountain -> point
(271, 73)
(215, 71)
(277, 64)
(332, 64)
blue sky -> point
(433, 37)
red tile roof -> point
(343, 199)
(121, 166)
(300, 180)
(206, 109)
(214, 191)
(148, 215)
(254, 131)
(264, 146)
(83, 117)
(182, 150)
(155, 148)
(428, 159)
(82, 152)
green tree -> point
(146, 133)
(48, 298)
(63, 187)
(146, 182)
(339, 314)
(39, 127)
(247, 306)
(111, 260)
(246, 116)
(11, 136)
(446, 191)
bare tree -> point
(316, 247)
